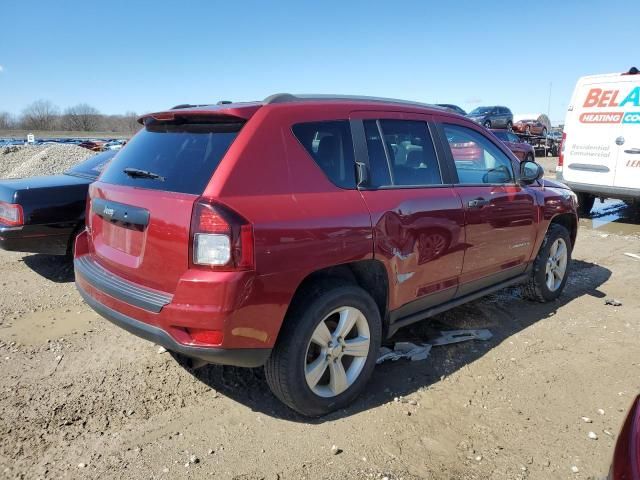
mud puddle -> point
(613, 216)
(38, 327)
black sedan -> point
(44, 214)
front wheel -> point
(585, 203)
(487, 124)
(551, 266)
(326, 351)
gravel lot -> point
(31, 160)
(80, 398)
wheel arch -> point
(568, 221)
(370, 275)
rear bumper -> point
(240, 357)
(35, 239)
(605, 190)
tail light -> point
(626, 457)
(561, 156)
(220, 238)
(11, 214)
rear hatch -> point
(141, 207)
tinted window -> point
(476, 158)
(92, 167)
(185, 155)
(411, 153)
(377, 158)
(330, 145)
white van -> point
(600, 154)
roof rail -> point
(289, 98)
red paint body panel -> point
(626, 456)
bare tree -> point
(81, 118)
(40, 115)
(131, 123)
(6, 121)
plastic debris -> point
(457, 336)
(417, 352)
(632, 255)
(404, 350)
(613, 302)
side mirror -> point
(530, 172)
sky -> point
(142, 56)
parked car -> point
(555, 135)
(492, 117)
(298, 232)
(522, 150)
(626, 456)
(530, 127)
(453, 108)
(600, 153)
(93, 145)
(43, 214)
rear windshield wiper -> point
(137, 173)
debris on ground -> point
(613, 302)
(456, 336)
(633, 255)
(415, 352)
(404, 350)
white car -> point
(600, 154)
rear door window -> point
(401, 153)
(181, 156)
(331, 147)
(477, 159)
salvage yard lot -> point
(80, 398)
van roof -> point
(245, 110)
(607, 76)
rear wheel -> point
(585, 203)
(551, 266)
(326, 351)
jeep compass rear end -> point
(298, 232)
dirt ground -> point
(80, 398)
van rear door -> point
(628, 168)
(592, 126)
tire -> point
(585, 204)
(287, 370)
(538, 287)
(510, 126)
(544, 132)
(527, 130)
(529, 158)
(487, 124)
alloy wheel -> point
(556, 265)
(337, 352)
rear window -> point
(331, 147)
(182, 156)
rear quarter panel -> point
(302, 222)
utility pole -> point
(549, 102)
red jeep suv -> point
(301, 231)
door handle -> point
(633, 151)
(478, 202)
